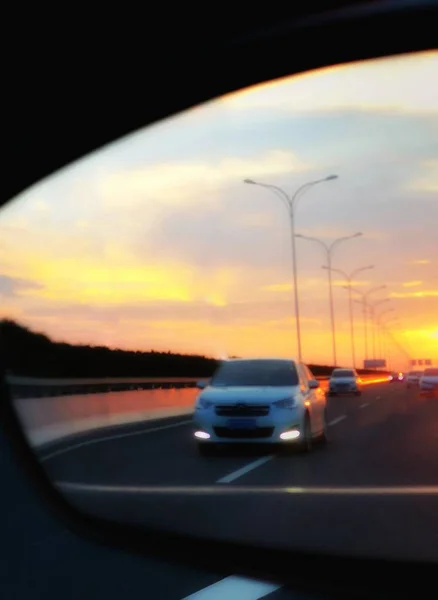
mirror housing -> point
(314, 384)
(201, 384)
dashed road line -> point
(235, 588)
(112, 437)
(337, 420)
(263, 460)
(245, 469)
(364, 405)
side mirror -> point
(201, 384)
(313, 384)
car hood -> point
(250, 394)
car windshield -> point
(256, 373)
(431, 373)
(343, 373)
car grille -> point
(244, 410)
(258, 432)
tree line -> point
(26, 353)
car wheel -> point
(205, 449)
(306, 443)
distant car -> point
(262, 401)
(394, 377)
(345, 381)
(413, 378)
(429, 380)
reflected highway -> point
(372, 491)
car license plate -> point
(241, 423)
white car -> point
(344, 381)
(413, 378)
(263, 401)
(429, 380)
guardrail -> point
(54, 409)
(32, 387)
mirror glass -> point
(277, 235)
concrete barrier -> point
(49, 419)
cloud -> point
(412, 283)
(278, 287)
(183, 182)
(422, 294)
(170, 315)
(429, 181)
(14, 286)
(358, 86)
(420, 261)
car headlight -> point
(285, 403)
(203, 403)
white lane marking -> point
(235, 588)
(213, 490)
(337, 420)
(112, 437)
(364, 405)
(378, 397)
(246, 469)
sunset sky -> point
(155, 242)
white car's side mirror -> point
(313, 384)
(201, 384)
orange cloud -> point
(421, 261)
(422, 294)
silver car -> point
(429, 381)
(413, 378)
(345, 381)
(264, 401)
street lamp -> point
(372, 309)
(396, 343)
(349, 278)
(290, 204)
(380, 335)
(386, 337)
(329, 252)
(363, 302)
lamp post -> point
(379, 330)
(329, 253)
(386, 338)
(397, 344)
(372, 309)
(290, 204)
(363, 302)
(349, 278)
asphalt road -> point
(39, 558)
(372, 492)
